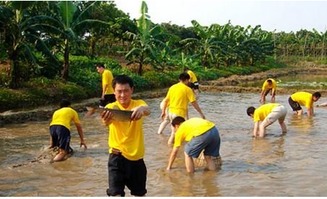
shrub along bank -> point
(85, 82)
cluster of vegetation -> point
(48, 49)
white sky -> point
(279, 15)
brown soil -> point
(232, 83)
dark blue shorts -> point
(60, 137)
(123, 172)
(209, 142)
(294, 105)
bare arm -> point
(255, 129)
(197, 108)
(163, 110)
(104, 90)
(81, 135)
(172, 158)
(310, 111)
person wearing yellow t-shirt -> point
(194, 84)
(200, 134)
(107, 95)
(265, 115)
(298, 99)
(126, 166)
(178, 97)
(60, 130)
(269, 86)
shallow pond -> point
(289, 165)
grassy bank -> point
(85, 82)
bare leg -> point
(189, 164)
(172, 136)
(283, 126)
(299, 112)
(163, 125)
(210, 163)
(60, 156)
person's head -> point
(177, 121)
(64, 103)
(100, 67)
(184, 77)
(316, 96)
(250, 111)
(269, 81)
(123, 88)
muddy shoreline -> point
(229, 84)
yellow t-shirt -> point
(127, 136)
(191, 128)
(179, 96)
(261, 113)
(64, 116)
(192, 76)
(107, 79)
(303, 98)
(266, 86)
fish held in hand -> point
(118, 115)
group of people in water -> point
(126, 166)
(269, 113)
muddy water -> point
(289, 165)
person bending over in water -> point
(201, 135)
(265, 115)
(269, 86)
(305, 99)
(60, 130)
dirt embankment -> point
(232, 83)
(229, 84)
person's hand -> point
(138, 112)
(83, 144)
(106, 116)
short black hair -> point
(269, 81)
(177, 121)
(101, 65)
(250, 110)
(64, 103)
(122, 79)
(316, 94)
(184, 76)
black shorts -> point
(123, 172)
(295, 105)
(107, 99)
(194, 85)
(60, 137)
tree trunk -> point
(14, 71)
(65, 69)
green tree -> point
(22, 37)
(146, 43)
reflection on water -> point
(293, 164)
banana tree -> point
(22, 37)
(146, 42)
(68, 23)
(205, 45)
